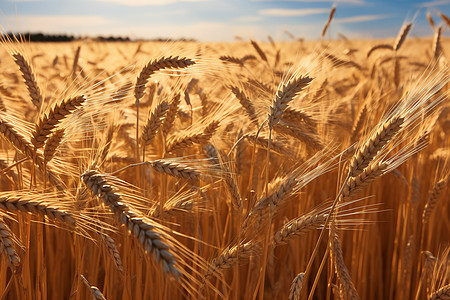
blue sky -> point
(221, 20)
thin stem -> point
(322, 232)
(266, 239)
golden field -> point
(243, 170)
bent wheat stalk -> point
(142, 228)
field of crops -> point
(241, 170)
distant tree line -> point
(42, 37)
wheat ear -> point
(437, 42)
(156, 65)
(445, 18)
(284, 95)
(296, 287)
(174, 169)
(47, 123)
(363, 179)
(297, 227)
(112, 251)
(52, 144)
(263, 142)
(297, 116)
(305, 137)
(259, 50)
(6, 246)
(377, 47)
(227, 175)
(141, 227)
(171, 114)
(246, 104)
(430, 20)
(346, 287)
(202, 138)
(21, 144)
(434, 196)
(30, 79)
(154, 122)
(232, 59)
(364, 155)
(330, 17)
(95, 292)
(442, 294)
(401, 36)
(359, 123)
(75, 61)
(36, 207)
(230, 256)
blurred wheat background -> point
(238, 170)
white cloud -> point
(202, 31)
(361, 18)
(246, 19)
(435, 3)
(330, 1)
(282, 12)
(147, 2)
(61, 24)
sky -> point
(221, 20)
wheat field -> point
(241, 170)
